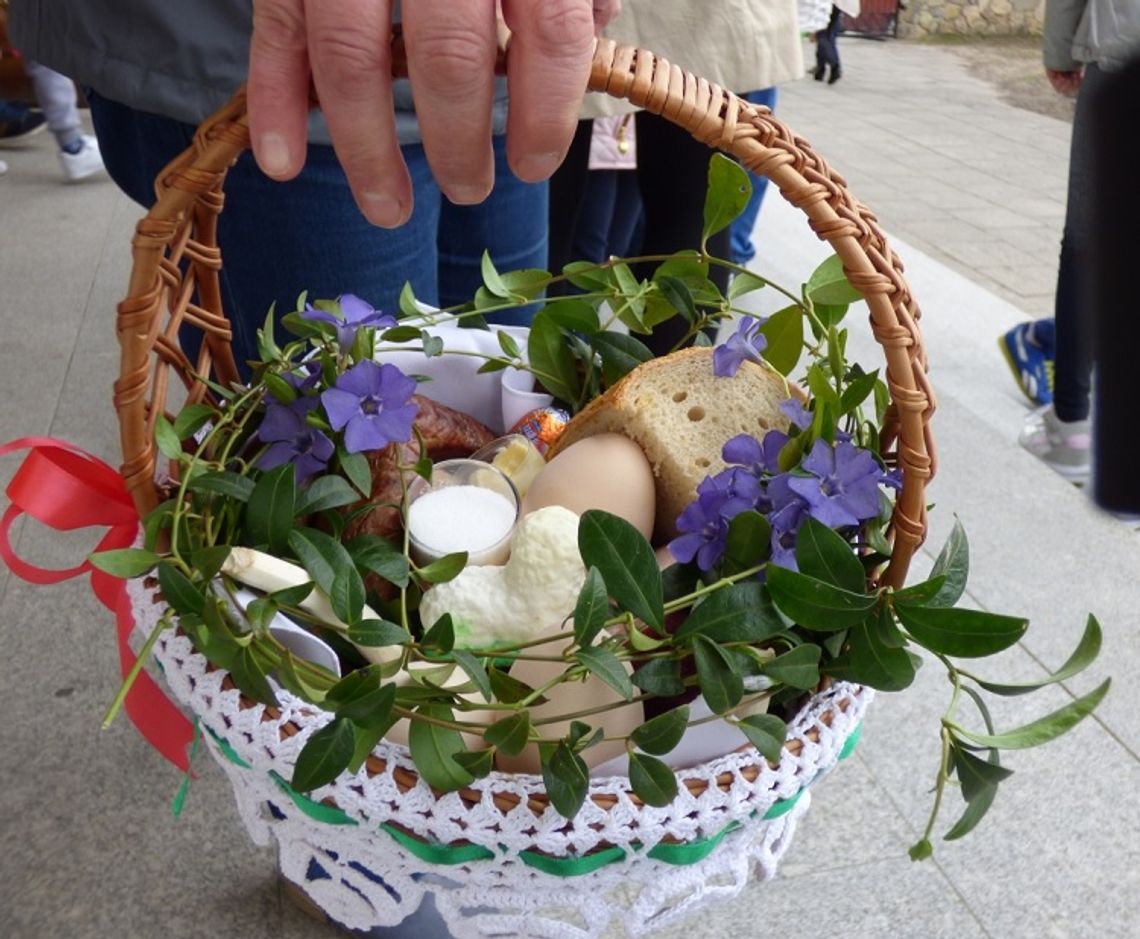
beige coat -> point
(742, 45)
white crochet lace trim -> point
(370, 880)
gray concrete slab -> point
(88, 844)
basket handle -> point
(180, 231)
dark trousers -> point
(826, 45)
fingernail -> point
(381, 209)
(273, 155)
(537, 166)
(467, 195)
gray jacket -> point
(178, 58)
(1106, 32)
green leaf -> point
(676, 293)
(922, 593)
(728, 193)
(434, 748)
(626, 562)
(976, 810)
(478, 763)
(817, 605)
(124, 562)
(588, 276)
(784, 331)
(825, 555)
(355, 467)
(295, 680)
(1087, 650)
(444, 569)
(796, 668)
(661, 677)
(608, 667)
(869, 661)
(325, 756)
(592, 608)
(857, 391)
(718, 676)
(168, 442)
(975, 774)
(192, 418)
(527, 284)
(577, 316)
(325, 492)
(510, 735)
(491, 279)
(749, 542)
(249, 675)
(652, 781)
(432, 346)
(206, 562)
(767, 733)
(407, 301)
(361, 697)
(620, 354)
(279, 388)
(551, 359)
(347, 595)
(225, 483)
(320, 555)
(745, 282)
(962, 633)
(566, 779)
(378, 632)
(741, 612)
(379, 556)
(441, 637)
(953, 564)
(400, 334)
(269, 513)
(662, 733)
(1044, 729)
(260, 613)
(507, 343)
(509, 690)
(179, 593)
(475, 671)
(829, 285)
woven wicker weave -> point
(174, 280)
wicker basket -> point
(362, 846)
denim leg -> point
(57, 98)
(596, 215)
(511, 224)
(1072, 378)
(743, 250)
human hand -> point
(1064, 83)
(344, 47)
(604, 11)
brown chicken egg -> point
(605, 471)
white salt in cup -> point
(467, 506)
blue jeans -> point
(280, 239)
(743, 250)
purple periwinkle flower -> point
(293, 440)
(786, 514)
(356, 313)
(795, 411)
(756, 457)
(703, 527)
(371, 403)
(843, 488)
(746, 343)
(305, 377)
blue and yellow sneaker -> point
(1032, 366)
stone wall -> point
(923, 18)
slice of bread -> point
(681, 415)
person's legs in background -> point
(743, 250)
(78, 152)
(1059, 433)
(672, 172)
(511, 225)
(827, 49)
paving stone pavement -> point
(971, 191)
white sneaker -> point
(86, 162)
(1064, 446)
(3, 167)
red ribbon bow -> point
(67, 488)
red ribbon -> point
(67, 488)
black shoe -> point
(836, 74)
(28, 123)
(818, 73)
